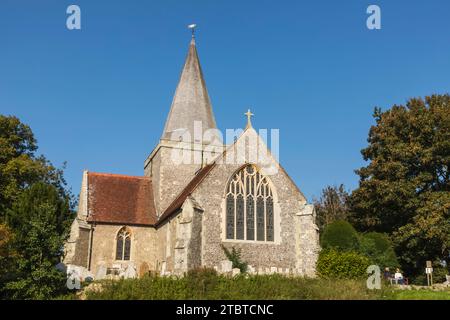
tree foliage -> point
(7, 255)
(40, 218)
(331, 206)
(20, 167)
(35, 211)
(378, 248)
(404, 191)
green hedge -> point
(340, 235)
(342, 264)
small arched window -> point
(249, 206)
(123, 247)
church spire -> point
(191, 101)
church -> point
(197, 195)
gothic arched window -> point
(249, 207)
(123, 246)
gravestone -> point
(130, 272)
(101, 272)
(226, 266)
(251, 270)
(235, 272)
(143, 269)
(163, 268)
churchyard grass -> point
(215, 287)
(205, 284)
(421, 295)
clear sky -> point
(98, 97)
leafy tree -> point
(378, 248)
(7, 256)
(340, 235)
(19, 166)
(41, 219)
(331, 206)
(427, 236)
(35, 209)
(404, 191)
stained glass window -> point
(230, 216)
(260, 218)
(123, 245)
(269, 225)
(119, 250)
(240, 217)
(249, 206)
(250, 210)
(126, 253)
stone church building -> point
(180, 214)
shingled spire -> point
(191, 101)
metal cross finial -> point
(192, 27)
(249, 118)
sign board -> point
(429, 265)
(428, 270)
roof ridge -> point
(118, 175)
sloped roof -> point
(114, 198)
(181, 198)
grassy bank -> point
(207, 285)
(204, 285)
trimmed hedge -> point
(342, 264)
(340, 235)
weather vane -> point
(192, 27)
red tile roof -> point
(181, 198)
(114, 198)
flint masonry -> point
(177, 216)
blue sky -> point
(98, 97)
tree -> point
(7, 256)
(331, 206)
(19, 166)
(378, 248)
(404, 191)
(41, 219)
(35, 209)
